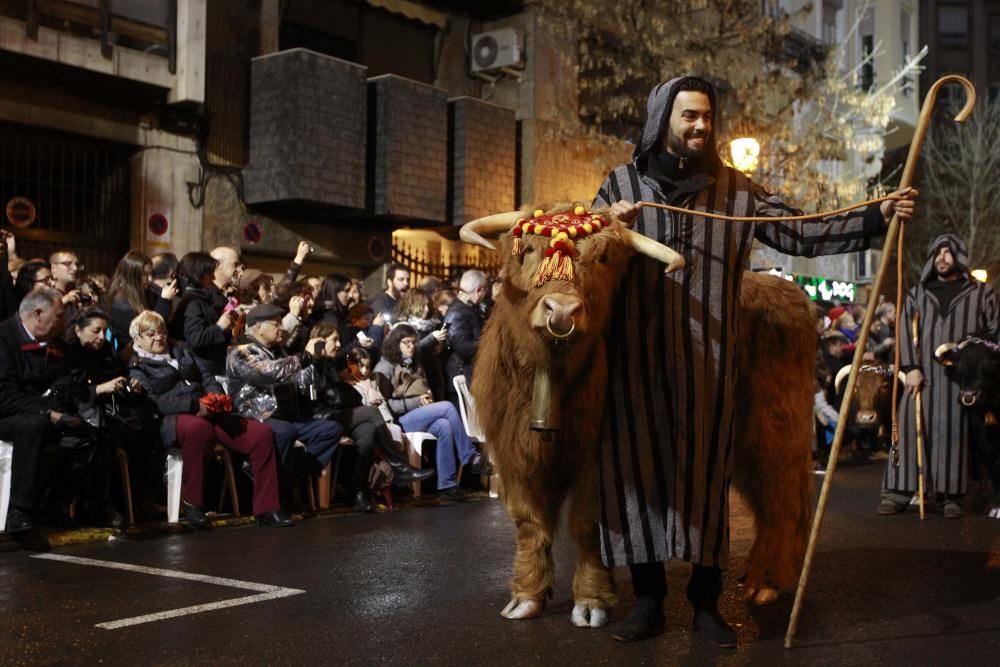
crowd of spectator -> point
(202, 351)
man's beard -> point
(949, 272)
(678, 145)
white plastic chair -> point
(467, 408)
(6, 461)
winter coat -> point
(175, 391)
(194, 322)
(401, 385)
(465, 324)
(974, 311)
(667, 435)
(28, 369)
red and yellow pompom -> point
(563, 227)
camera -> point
(86, 299)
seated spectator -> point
(177, 380)
(265, 384)
(356, 293)
(358, 374)
(404, 386)
(130, 293)
(254, 288)
(164, 272)
(332, 303)
(37, 412)
(365, 329)
(465, 324)
(416, 310)
(442, 302)
(9, 298)
(397, 282)
(66, 270)
(201, 319)
(296, 298)
(126, 416)
(337, 400)
(33, 274)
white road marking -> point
(264, 591)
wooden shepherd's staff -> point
(890, 238)
(918, 398)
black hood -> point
(958, 251)
(658, 108)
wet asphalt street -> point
(425, 585)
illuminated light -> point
(980, 275)
(745, 151)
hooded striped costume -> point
(667, 436)
(972, 310)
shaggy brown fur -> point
(772, 461)
(772, 458)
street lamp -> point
(979, 274)
(745, 151)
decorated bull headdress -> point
(564, 227)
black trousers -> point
(35, 444)
(649, 582)
(367, 428)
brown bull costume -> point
(667, 439)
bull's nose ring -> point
(572, 327)
(968, 400)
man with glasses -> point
(66, 270)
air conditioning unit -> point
(496, 50)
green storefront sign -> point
(819, 288)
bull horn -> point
(943, 351)
(655, 250)
(492, 225)
(841, 374)
(902, 376)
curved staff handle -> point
(890, 238)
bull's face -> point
(974, 364)
(562, 309)
(872, 393)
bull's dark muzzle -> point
(867, 418)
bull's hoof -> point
(761, 596)
(585, 616)
(521, 609)
(995, 512)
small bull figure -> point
(540, 381)
(974, 364)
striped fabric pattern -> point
(667, 435)
(946, 423)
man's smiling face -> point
(690, 127)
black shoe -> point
(105, 515)
(710, 626)
(275, 519)
(196, 516)
(18, 521)
(362, 504)
(643, 623)
(479, 466)
(453, 493)
(404, 474)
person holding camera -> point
(266, 384)
(415, 308)
(130, 292)
(201, 320)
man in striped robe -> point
(667, 439)
(952, 305)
